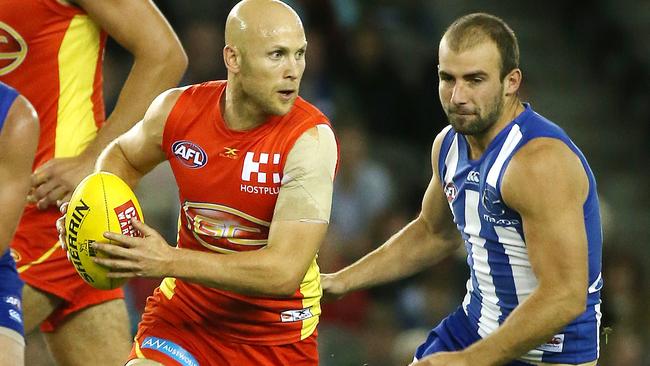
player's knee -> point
(143, 362)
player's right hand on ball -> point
(60, 225)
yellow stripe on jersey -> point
(167, 287)
(311, 291)
(41, 259)
(78, 57)
(138, 351)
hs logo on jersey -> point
(190, 154)
(252, 166)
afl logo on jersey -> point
(190, 154)
(13, 49)
(450, 191)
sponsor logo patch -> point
(13, 301)
(171, 349)
(295, 315)
(229, 153)
(124, 214)
(15, 315)
(473, 176)
(555, 344)
(78, 216)
(252, 166)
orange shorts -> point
(43, 265)
(172, 346)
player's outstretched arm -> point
(420, 244)
(546, 183)
(18, 137)
(159, 62)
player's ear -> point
(232, 58)
(512, 82)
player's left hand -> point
(55, 180)
(444, 359)
(147, 256)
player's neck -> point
(239, 113)
(480, 142)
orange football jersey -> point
(228, 186)
(52, 54)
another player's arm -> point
(546, 183)
(159, 62)
(423, 242)
(19, 138)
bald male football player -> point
(254, 164)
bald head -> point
(251, 19)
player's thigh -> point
(143, 362)
(37, 306)
(37, 352)
(13, 348)
(97, 335)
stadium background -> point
(371, 69)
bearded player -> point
(56, 49)
(254, 164)
(19, 137)
(524, 200)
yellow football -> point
(101, 202)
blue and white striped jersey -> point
(501, 276)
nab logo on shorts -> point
(13, 49)
(190, 154)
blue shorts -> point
(454, 333)
(11, 294)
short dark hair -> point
(473, 29)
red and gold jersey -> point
(52, 54)
(228, 186)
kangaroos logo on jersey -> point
(190, 154)
(13, 49)
(492, 202)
